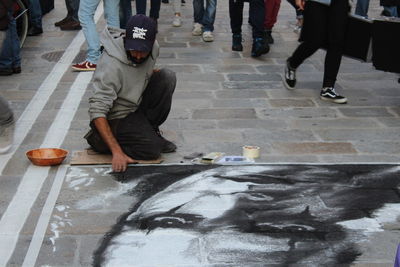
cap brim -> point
(137, 45)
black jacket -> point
(5, 6)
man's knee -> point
(168, 77)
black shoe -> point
(33, 31)
(72, 25)
(329, 94)
(268, 37)
(183, 2)
(259, 47)
(168, 146)
(63, 21)
(237, 42)
(6, 71)
(165, 1)
(290, 76)
(385, 13)
(16, 70)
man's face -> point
(138, 56)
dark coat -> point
(5, 6)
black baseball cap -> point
(140, 33)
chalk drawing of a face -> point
(249, 216)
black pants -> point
(136, 133)
(256, 16)
(323, 26)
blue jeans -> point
(87, 8)
(154, 8)
(125, 12)
(10, 51)
(392, 10)
(205, 16)
(72, 7)
(35, 13)
(362, 8)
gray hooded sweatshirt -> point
(118, 83)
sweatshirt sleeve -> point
(106, 85)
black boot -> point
(237, 42)
(268, 37)
(260, 47)
(168, 146)
(33, 31)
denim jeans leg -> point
(87, 8)
(125, 12)
(209, 15)
(72, 7)
(6, 114)
(362, 8)
(198, 11)
(35, 13)
(111, 12)
(10, 51)
(141, 7)
(392, 10)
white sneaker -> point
(197, 29)
(176, 22)
(6, 138)
(208, 36)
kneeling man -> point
(131, 99)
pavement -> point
(223, 100)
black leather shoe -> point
(33, 31)
(16, 70)
(63, 21)
(71, 26)
(6, 71)
(237, 42)
(167, 146)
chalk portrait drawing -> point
(250, 215)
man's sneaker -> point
(268, 37)
(259, 47)
(197, 29)
(237, 42)
(329, 94)
(84, 66)
(6, 138)
(208, 36)
(176, 22)
(168, 146)
(290, 77)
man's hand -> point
(300, 4)
(120, 161)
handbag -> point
(386, 44)
(358, 40)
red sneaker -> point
(84, 66)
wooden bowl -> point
(47, 156)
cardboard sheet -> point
(90, 157)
